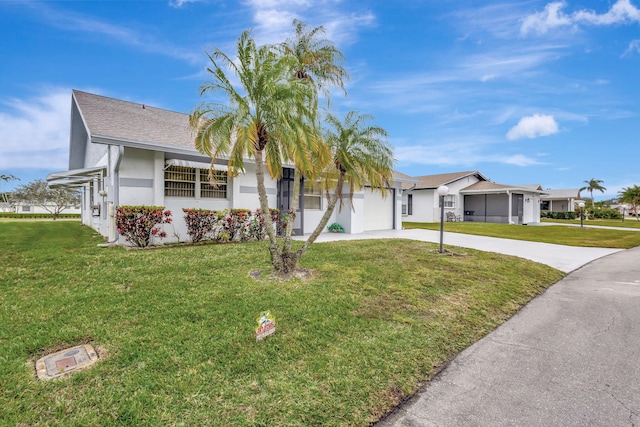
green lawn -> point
(627, 223)
(175, 327)
(558, 234)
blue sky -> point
(543, 92)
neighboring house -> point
(564, 200)
(25, 208)
(625, 209)
(123, 153)
(471, 197)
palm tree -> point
(361, 156)
(315, 61)
(7, 178)
(593, 184)
(631, 195)
(271, 119)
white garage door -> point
(378, 212)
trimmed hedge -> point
(37, 215)
(603, 213)
(557, 215)
(240, 225)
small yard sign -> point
(266, 326)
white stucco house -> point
(124, 153)
(471, 197)
(25, 208)
(563, 200)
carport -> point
(487, 201)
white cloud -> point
(519, 160)
(35, 131)
(550, 18)
(533, 127)
(72, 21)
(460, 154)
(621, 12)
(179, 3)
(634, 46)
(273, 19)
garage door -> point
(378, 212)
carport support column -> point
(509, 207)
(442, 191)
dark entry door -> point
(285, 191)
(517, 207)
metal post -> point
(441, 222)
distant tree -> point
(5, 199)
(593, 184)
(53, 200)
(631, 195)
(7, 178)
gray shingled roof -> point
(566, 193)
(129, 121)
(486, 185)
(435, 181)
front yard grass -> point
(558, 234)
(627, 223)
(175, 327)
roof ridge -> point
(127, 102)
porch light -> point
(442, 191)
(581, 206)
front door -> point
(285, 191)
(518, 206)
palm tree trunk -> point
(274, 249)
(289, 259)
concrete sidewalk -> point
(568, 358)
(564, 258)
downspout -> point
(509, 206)
(113, 234)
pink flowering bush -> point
(139, 224)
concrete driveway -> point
(564, 258)
(571, 357)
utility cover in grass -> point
(66, 361)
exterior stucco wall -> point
(423, 202)
(138, 179)
(141, 182)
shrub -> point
(227, 225)
(558, 215)
(201, 223)
(336, 228)
(138, 224)
(604, 213)
(37, 215)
